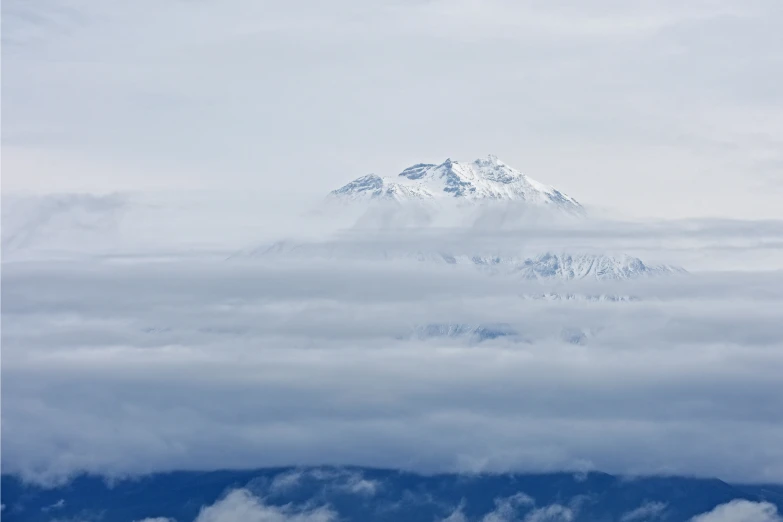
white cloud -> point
(57, 505)
(284, 482)
(741, 511)
(342, 480)
(647, 512)
(361, 486)
(456, 516)
(242, 506)
(552, 513)
(506, 508)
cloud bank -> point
(119, 365)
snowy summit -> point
(486, 179)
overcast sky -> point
(653, 108)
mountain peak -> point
(485, 179)
(491, 159)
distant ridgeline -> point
(357, 494)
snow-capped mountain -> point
(591, 266)
(486, 179)
(545, 267)
(568, 267)
(483, 180)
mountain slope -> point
(485, 179)
(548, 266)
(591, 266)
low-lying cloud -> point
(130, 361)
(124, 368)
(242, 506)
(741, 511)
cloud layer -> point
(123, 366)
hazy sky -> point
(662, 108)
